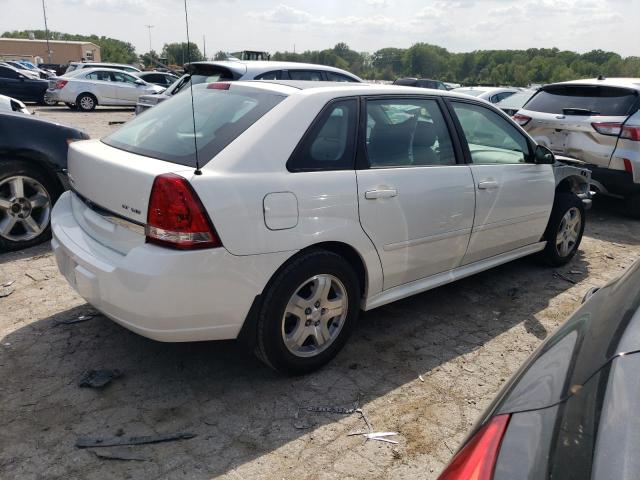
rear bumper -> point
(167, 295)
(615, 182)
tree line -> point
(480, 67)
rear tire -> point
(564, 230)
(29, 194)
(49, 101)
(86, 102)
(632, 206)
(309, 310)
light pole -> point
(149, 27)
(46, 30)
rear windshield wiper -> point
(579, 111)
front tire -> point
(309, 311)
(86, 102)
(26, 197)
(564, 230)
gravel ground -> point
(424, 367)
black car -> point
(420, 83)
(571, 411)
(17, 85)
(158, 78)
(33, 162)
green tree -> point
(181, 53)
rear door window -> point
(407, 133)
(274, 75)
(330, 144)
(166, 131)
(337, 77)
(311, 75)
(583, 99)
(102, 76)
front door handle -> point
(487, 185)
(382, 193)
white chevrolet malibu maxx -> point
(312, 202)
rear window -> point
(166, 131)
(599, 100)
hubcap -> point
(314, 315)
(25, 208)
(86, 102)
(568, 232)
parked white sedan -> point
(310, 203)
(91, 87)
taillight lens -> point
(477, 459)
(522, 120)
(607, 128)
(628, 167)
(61, 83)
(176, 217)
(630, 132)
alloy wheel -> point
(568, 232)
(25, 208)
(86, 103)
(314, 315)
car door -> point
(127, 90)
(514, 196)
(103, 86)
(416, 201)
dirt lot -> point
(464, 340)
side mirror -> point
(543, 156)
(140, 82)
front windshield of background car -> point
(166, 131)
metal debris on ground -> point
(98, 378)
(72, 320)
(88, 442)
(378, 436)
(8, 284)
(116, 122)
(564, 277)
(340, 410)
(609, 256)
(576, 272)
(421, 378)
(118, 454)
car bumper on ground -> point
(163, 294)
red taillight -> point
(219, 86)
(630, 132)
(627, 166)
(60, 84)
(477, 459)
(176, 217)
(521, 119)
(607, 128)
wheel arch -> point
(87, 92)
(573, 184)
(41, 161)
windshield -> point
(166, 132)
(594, 100)
(517, 100)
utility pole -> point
(204, 47)
(46, 30)
(149, 27)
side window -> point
(330, 144)
(103, 76)
(275, 75)
(337, 77)
(312, 75)
(7, 73)
(407, 133)
(122, 77)
(491, 138)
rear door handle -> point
(382, 193)
(487, 185)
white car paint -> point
(436, 228)
(123, 90)
(490, 94)
(9, 104)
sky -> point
(365, 25)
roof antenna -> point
(193, 110)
